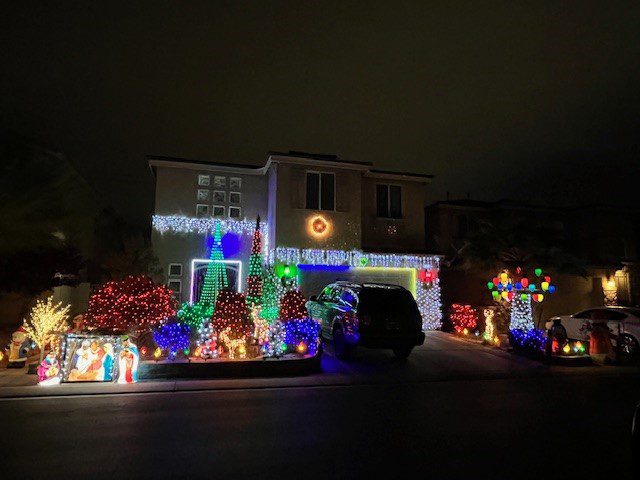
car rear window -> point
(398, 300)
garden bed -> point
(286, 365)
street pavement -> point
(453, 410)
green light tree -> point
(270, 299)
(215, 278)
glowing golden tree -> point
(46, 318)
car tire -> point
(402, 352)
(627, 349)
(340, 346)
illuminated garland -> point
(134, 302)
(353, 258)
(203, 226)
(254, 277)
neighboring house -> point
(606, 239)
(330, 218)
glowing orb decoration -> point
(157, 352)
(301, 348)
(318, 226)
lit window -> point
(175, 269)
(389, 201)
(202, 210)
(234, 212)
(204, 180)
(321, 189)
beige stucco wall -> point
(410, 229)
(292, 217)
(177, 188)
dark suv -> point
(373, 315)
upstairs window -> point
(389, 201)
(321, 190)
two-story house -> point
(324, 217)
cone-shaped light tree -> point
(269, 298)
(254, 278)
(215, 278)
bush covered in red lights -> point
(463, 316)
(231, 312)
(134, 303)
(292, 306)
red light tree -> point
(254, 278)
(134, 303)
(293, 306)
(232, 312)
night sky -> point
(537, 102)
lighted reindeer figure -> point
(234, 345)
(260, 325)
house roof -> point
(317, 156)
(159, 160)
(304, 158)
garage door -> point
(313, 280)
